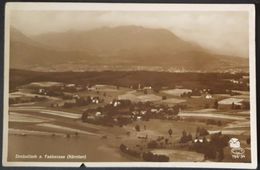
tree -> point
(164, 97)
(203, 132)
(137, 128)
(189, 137)
(176, 109)
(84, 116)
(76, 133)
(185, 138)
(246, 105)
(184, 133)
(233, 106)
(216, 104)
(248, 141)
(198, 131)
(170, 132)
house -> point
(143, 112)
(139, 117)
(75, 96)
(121, 102)
(135, 112)
(95, 100)
(147, 88)
(79, 88)
(208, 96)
(154, 110)
(93, 88)
(178, 86)
(70, 85)
(139, 86)
(99, 115)
(42, 91)
(202, 139)
(60, 104)
(245, 77)
(228, 103)
(116, 103)
(91, 117)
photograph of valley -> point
(129, 86)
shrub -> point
(137, 128)
(128, 151)
(152, 144)
(248, 141)
(150, 157)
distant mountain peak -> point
(17, 34)
(136, 29)
(127, 46)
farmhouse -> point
(42, 91)
(147, 89)
(202, 139)
(245, 77)
(70, 85)
(95, 100)
(229, 103)
(79, 88)
(59, 104)
(208, 96)
(75, 96)
(99, 115)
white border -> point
(135, 7)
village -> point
(155, 124)
(137, 110)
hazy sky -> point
(222, 32)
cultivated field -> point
(40, 121)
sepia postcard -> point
(129, 85)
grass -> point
(176, 92)
(115, 135)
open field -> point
(139, 98)
(45, 84)
(180, 155)
(54, 127)
(83, 145)
(154, 128)
(176, 92)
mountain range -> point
(123, 47)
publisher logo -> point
(236, 150)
